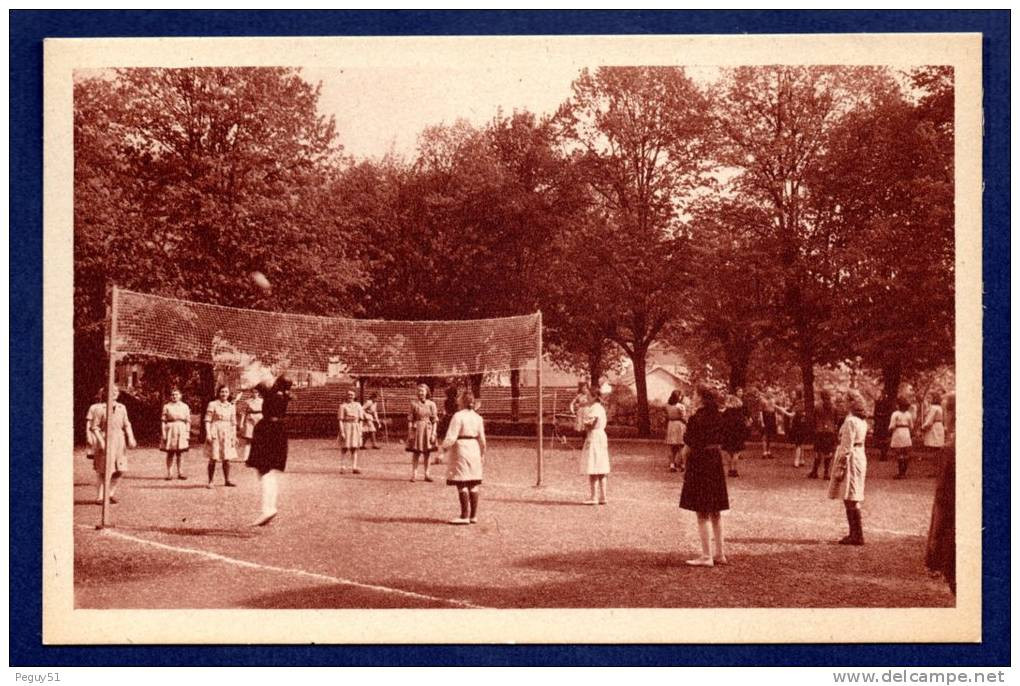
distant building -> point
(665, 372)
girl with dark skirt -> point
(676, 421)
(268, 455)
(826, 423)
(704, 490)
(734, 420)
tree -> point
(775, 127)
(898, 193)
(186, 180)
(640, 134)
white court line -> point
(285, 570)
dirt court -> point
(376, 540)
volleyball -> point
(261, 281)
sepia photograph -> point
(526, 339)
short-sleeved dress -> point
(350, 416)
(421, 422)
(221, 430)
(676, 423)
(935, 427)
(176, 427)
(734, 423)
(369, 418)
(252, 416)
(595, 452)
(899, 426)
(112, 441)
(463, 443)
(269, 440)
(850, 466)
(96, 410)
(704, 481)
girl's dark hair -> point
(902, 404)
(936, 399)
(451, 391)
(583, 386)
(709, 396)
(221, 388)
(674, 398)
(175, 389)
(467, 399)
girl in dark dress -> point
(704, 490)
(268, 454)
(734, 420)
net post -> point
(110, 399)
(538, 383)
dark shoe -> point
(672, 468)
(113, 501)
(429, 479)
(812, 475)
(167, 478)
(846, 540)
(229, 484)
(264, 519)
(355, 471)
(182, 477)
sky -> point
(384, 109)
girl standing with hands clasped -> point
(595, 452)
(176, 432)
(350, 416)
(221, 435)
(464, 443)
(421, 431)
(704, 490)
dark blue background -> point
(29, 28)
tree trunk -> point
(644, 426)
(807, 375)
(515, 395)
(739, 360)
(595, 369)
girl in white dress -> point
(595, 452)
(465, 449)
(850, 467)
(899, 436)
(350, 416)
(176, 433)
(221, 435)
(934, 425)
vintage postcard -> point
(543, 339)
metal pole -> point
(110, 398)
(538, 383)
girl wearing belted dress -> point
(176, 434)
(676, 423)
(900, 442)
(421, 431)
(370, 423)
(704, 491)
(112, 439)
(850, 467)
(464, 443)
(250, 416)
(221, 435)
(595, 451)
(350, 416)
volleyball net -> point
(233, 337)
